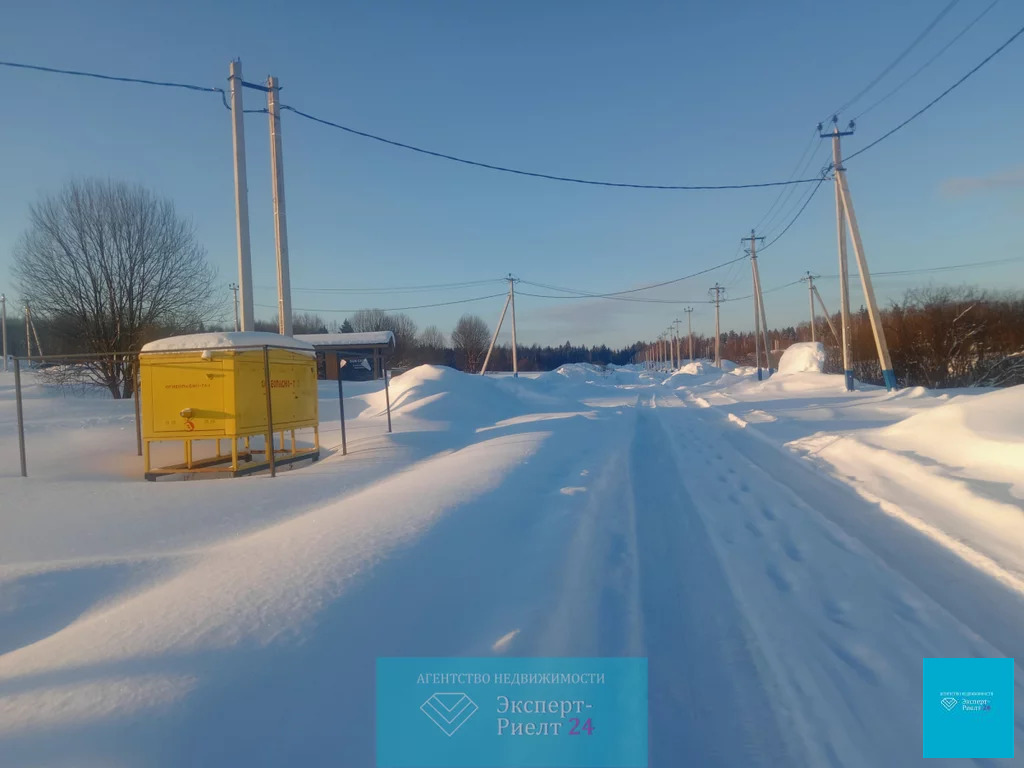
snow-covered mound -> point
(684, 376)
(462, 400)
(728, 365)
(980, 433)
(803, 357)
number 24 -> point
(576, 728)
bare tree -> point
(366, 320)
(431, 345)
(112, 266)
(470, 339)
(404, 329)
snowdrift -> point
(462, 400)
(983, 434)
(803, 357)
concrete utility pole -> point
(760, 323)
(810, 299)
(241, 195)
(844, 271)
(828, 317)
(846, 202)
(679, 359)
(718, 290)
(28, 330)
(3, 326)
(284, 284)
(494, 338)
(515, 354)
(234, 290)
(689, 329)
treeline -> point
(938, 337)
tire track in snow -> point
(839, 627)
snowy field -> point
(784, 552)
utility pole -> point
(718, 334)
(494, 338)
(760, 323)
(234, 290)
(512, 296)
(284, 285)
(689, 329)
(845, 202)
(28, 330)
(844, 271)
(679, 359)
(828, 317)
(241, 195)
(810, 298)
(3, 326)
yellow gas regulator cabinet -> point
(212, 386)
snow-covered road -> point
(784, 610)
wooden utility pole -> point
(241, 195)
(845, 202)
(284, 285)
(718, 290)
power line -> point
(390, 309)
(803, 207)
(930, 61)
(947, 268)
(117, 78)
(806, 158)
(898, 59)
(612, 294)
(397, 289)
(532, 174)
(607, 298)
(938, 98)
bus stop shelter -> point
(373, 346)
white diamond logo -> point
(948, 702)
(449, 711)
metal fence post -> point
(21, 418)
(270, 414)
(387, 393)
(135, 397)
(341, 403)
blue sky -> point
(671, 93)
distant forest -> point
(938, 337)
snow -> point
(364, 339)
(783, 552)
(802, 357)
(226, 340)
